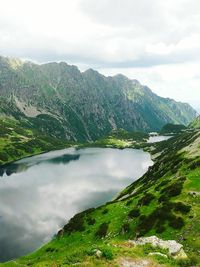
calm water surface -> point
(39, 194)
(159, 138)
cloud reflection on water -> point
(36, 202)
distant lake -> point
(38, 195)
(159, 138)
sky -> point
(156, 42)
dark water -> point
(39, 194)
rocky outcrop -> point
(194, 193)
(174, 248)
(129, 262)
(157, 254)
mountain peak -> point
(85, 105)
(13, 62)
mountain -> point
(63, 102)
(195, 123)
(164, 202)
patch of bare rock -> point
(174, 248)
(128, 262)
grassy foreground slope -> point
(18, 139)
(164, 202)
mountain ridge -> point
(84, 105)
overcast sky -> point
(154, 41)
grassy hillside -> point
(164, 202)
(120, 139)
(20, 139)
(170, 128)
(195, 123)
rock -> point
(181, 255)
(175, 249)
(128, 262)
(158, 254)
(194, 193)
(97, 253)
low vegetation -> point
(172, 128)
(120, 139)
(18, 139)
(195, 123)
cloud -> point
(140, 15)
(106, 34)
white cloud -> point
(140, 38)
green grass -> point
(120, 139)
(195, 123)
(18, 140)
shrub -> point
(129, 202)
(75, 224)
(3, 156)
(163, 183)
(163, 198)
(134, 213)
(50, 249)
(194, 165)
(146, 223)
(15, 139)
(125, 228)
(91, 221)
(173, 189)
(160, 228)
(146, 199)
(102, 231)
(105, 211)
(177, 223)
(192, 261)
(179, 206)
(107, 253)
(88, 211)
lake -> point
(158, 138)
(39, 194)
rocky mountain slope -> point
(61, 101)
(163, 205)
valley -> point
(82, 178)
(99, 133)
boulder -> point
(174, 248)
(158, 254)
(97, 253)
